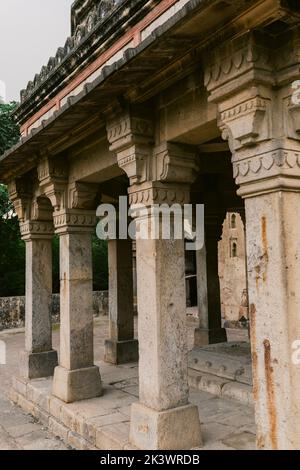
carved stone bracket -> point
(247, 123)
(20, 194)
(53, 178)
(131, 138)
(175, 163)
(82, 195)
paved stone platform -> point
(103, 423)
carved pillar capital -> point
(53, 179)
(20, 194)
(131, 137)
(155, 192)
(74, 221)
(258, 101)
(35, 229)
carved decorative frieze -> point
(280, 161)
(36, 229)
(74, 220)
(150, 193)
(243, 59)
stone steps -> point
(223, 370)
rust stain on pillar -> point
(271, 405)
(264, 245)
(252, 315)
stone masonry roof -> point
(95, 24)
(168, 53)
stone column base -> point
(121, 352)
(203, 337)
(38, 365)
(76, 385)
(174, 429)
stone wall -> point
(12, 309)
(232, 270)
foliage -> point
(12, 250)
(9, 131)
(100, 264)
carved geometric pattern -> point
(150, 194)
(260, 166)
(36, 228)
(74, 220)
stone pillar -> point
(159, 420)
(160, 175)
(121, 347)
(262, 125)
(39, 359)
(76, 377)
(134, 276)
(210, 329)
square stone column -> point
(76, 377)
(273, 247)
(159, 420)
(210, 329)
(38, 359)
(262, 125)
(121, 347)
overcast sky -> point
(30, 32)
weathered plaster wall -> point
(12, 309)
(232, 269)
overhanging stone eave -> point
(103, 89)
(11, 162)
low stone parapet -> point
(12, 309)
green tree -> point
(12, 249)
(9, 131)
